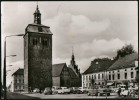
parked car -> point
(36, 90)
(75, 90)
(92, 92)
(63, 90)
(83, 89)
(47, 90)
(98, 92)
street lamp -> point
(4, 72)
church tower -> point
(37, 54)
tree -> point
(125, 50)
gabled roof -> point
(99, 65)
(19, 72)
(57, 69)
(72, 73)
(125, 62)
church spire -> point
(72, 58)
(37, 16)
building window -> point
(125, 70)
(15, 87)
(19, 80)
(83, 77)
(125, 75)
(102, 76)
(40, 29)
(89, 84)
(113, 71)
(118, 70)
(89, 78)
(86, 77)
(113, 76)
(19, 87)
(132, 75)
(98, 76)
(34, 41)
(15, 80)
(23, 80)
(45, 42)
(118, 76)
(92, 77)
(109, 72)
(131, 68)
(109, 77)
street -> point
(67, 96)
(11, 95)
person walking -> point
(119, 92)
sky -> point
(93, 28)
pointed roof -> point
(57, 69)
(37, 9)
(20, 71)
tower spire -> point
(72, 51)
(37, 15)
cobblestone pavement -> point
(68, 96)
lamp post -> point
(4, 72)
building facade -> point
(61, 75)
(122, 71)
(17, 84)
(37, 54)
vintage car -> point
(47, 91)
(98, 92)
(75, 90)
(63, 90)
(36, 90)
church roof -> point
(19, 72)
(125, 62)
(72, 73)
(98, 66)
(57, 69)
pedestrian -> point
(40, 91)
(119, 92)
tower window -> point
(34, 41)
(40, 29)
(45, 42)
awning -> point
(110, 83)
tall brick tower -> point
(37, 54)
